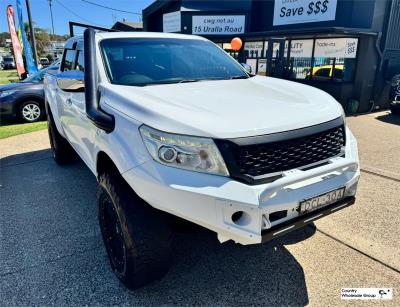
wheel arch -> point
(49, 112)
(27, 98)
(104, 163)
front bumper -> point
(303, 220)
(214, 201)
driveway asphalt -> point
(51, 252)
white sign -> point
(262, 67)
(254, 48)
(336, 48)
(301, 48)
(366, 293)
(288, 12)
(218, 25)
(172, 22)
(253, 64)
(276, 47)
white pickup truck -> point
(172, 125)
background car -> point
(25, 99)
(8, 62)
(44, 62)
(53, 69)
(395, 95)
(325, 72)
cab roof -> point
(104, 35)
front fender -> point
(124, 145)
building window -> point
(300, 60)
(228, 49)
(255, 53)
(322, 59)
(254, 49)
(334, 59)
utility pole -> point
(51, 13)
(32, 31)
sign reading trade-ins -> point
(218, 25)
(303, 11)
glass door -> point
(275, 57)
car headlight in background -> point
(6, 93)
(187, 152)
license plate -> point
(320, 201)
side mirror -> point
(246, 67)
(71, 81)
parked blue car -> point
(25, 99)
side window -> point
(69, 59)
(80, 62)
(323, 72)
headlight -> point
(191, 153)
(6, 93)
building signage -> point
(17, 48)
(254, 49)
(300, 48)
(262, 67)
(288, 12)
(336, 48)
(30, 62)
(172, 22)
(253, 64)
(218, 25)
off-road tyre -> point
(63, 153)
(138, 243)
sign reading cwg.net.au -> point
(218, 25)
(302, 11)
(172, 22)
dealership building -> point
(348, 48)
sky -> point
(74, 10)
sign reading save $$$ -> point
(302, 11)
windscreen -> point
(151, 61)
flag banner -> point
(15, 41)
(30, 63)
(20, 38)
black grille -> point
(254, 163)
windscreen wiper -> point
(239, 77)
(169, 82)
(189, 80)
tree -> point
(43, 38)
(3, 37)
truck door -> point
(64, 102)
(79, 130)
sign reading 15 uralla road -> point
(302, 11)
(218, 25)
